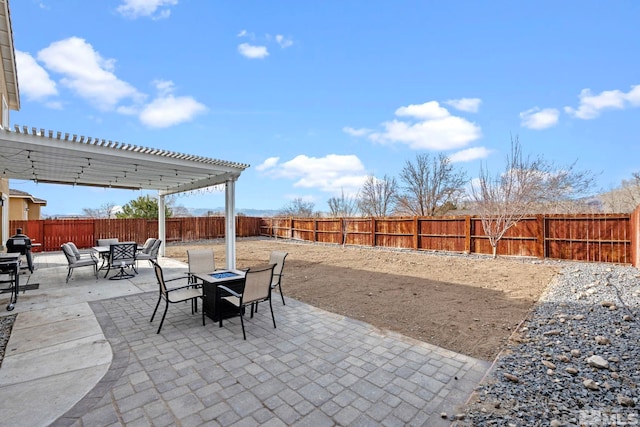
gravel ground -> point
(575, 361)
(6, 323)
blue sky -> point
(315, 95)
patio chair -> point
(201, 261)
(106, 242)
(277, 258)
(151, 253)
(122, 256)
(174, 295)
(78, 259)
(147, 245)
(256, 288)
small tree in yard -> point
(525, 186)
(344, 207)
(378, 196)
(142, 207)
(430, 184)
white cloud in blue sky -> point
(332, 173)
(592, 105)
(428, 126)
(536, 118)
(470, 105)
(253, 52)
(35, 83)
(155, 9)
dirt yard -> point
(464, 304)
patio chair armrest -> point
(174, 279)
(229, 291)
(179, 288)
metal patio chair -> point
(174, 295)
(256, 288)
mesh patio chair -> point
(76, 259)
(256, 288)
(277, 258)
(201, 261)
(122, 256)
(174, 295)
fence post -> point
(373, 232)
(291, 228)
(467, 234)
(416, 227)
(542, 237)
(315, 230)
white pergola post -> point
(162, 229)
(5, 219)
(230, 222)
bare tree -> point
(623, 199)
(298, 208)
(344, 207)
(106, 210)
(526, 186)
(431, 186)
(378, 196)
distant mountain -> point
(220, 211)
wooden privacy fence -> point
(52, 233)
(598, 238)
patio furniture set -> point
(224, 293)
(111, 254)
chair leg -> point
(163, 316)
(69, 273)
(272, 316)
(108, 269)
(281, 294)
(203, 312)
(156, 309)
(244, 335)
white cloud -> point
(243, 33)
(428, 110)
(470, 154)
(34, 80)
(283, 41)
(435, 129)
(268, 163)
(253, 52)
(87, 74)
(536, 118)
(168, 110)
(633, 96)
(156, 9)
(356, 132)
(591, 105)
(470, 105)
(333, 173)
